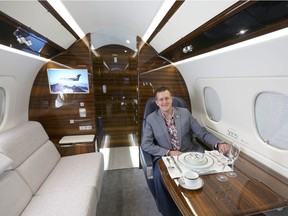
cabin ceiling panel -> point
(134, 16)
(108, 37)
(54, 31)
(39, 19)
(61, 36)
(119, 20)
(195, 14)
(31, 9)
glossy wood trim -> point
(243, 195)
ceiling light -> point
(188, 49)
(165, 7)
(242, 31)
(9, 49)
(63, 12)
(128, 41)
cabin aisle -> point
(125, 193)
(120, 157)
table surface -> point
(245, 194)
(77, 139)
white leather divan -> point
(36, 181)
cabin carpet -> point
(125, 193)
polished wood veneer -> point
(247, 194)
(56, 120)
(129, 84)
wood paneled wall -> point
(154, 72)
(57, 120)
(147, 73)
(116, 106)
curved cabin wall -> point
(57, 120)
(238, 74)
(64, 120)
(17, 74)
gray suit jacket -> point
(155, 137)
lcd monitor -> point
(68, 81)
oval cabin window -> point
(271, 115)
(212, 104)
(2, 103)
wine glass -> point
(224, 162)
(232, 155)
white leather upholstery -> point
(6, 163)
(75, 171)
(14, 194)
(35, 169)
(21, 142)
(67, 202)
(35, 180)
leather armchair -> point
(146, 159)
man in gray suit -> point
(169, 131)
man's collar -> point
(172, 114)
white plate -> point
(192, 158)
(199, 184)
(182, 158)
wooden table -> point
(246, 194)
(77, 146)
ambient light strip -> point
(63, 12)
(13, 50)
(270, 36)
(165, 7)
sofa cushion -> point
(75, 171)
(21, 142)
(5, 163)
(68, 202)
(39, 165)
(14, 194)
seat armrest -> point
(146, 161)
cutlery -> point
(176, 164)
(216, 157)
(170, 165)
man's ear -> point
(157, 103)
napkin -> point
(173, 171)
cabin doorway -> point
(116, 95)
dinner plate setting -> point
(195, 160)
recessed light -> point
(187, 49)
(242, 31)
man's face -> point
(164, 101)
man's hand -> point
(174, 153)
(223, 148)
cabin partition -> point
(119, 85)
(59, 113)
